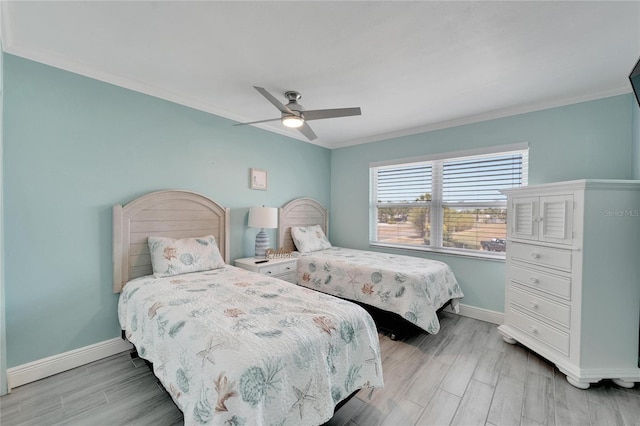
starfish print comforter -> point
(233, 347)
(414, 288)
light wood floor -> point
(464, 375)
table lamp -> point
(262, 217)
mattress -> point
(235, 347)
(411, 287)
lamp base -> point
(262, 244)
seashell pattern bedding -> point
(235, 347)
(411, 287)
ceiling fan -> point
(295, 116)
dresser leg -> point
(509, 340)
(505, 336)
(624, 383)
(579, 385)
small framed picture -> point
(258, 179)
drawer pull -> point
(288, 268)
(268, 272)
(535, 255)
(533, 305)
(533, 330)
(534, 280)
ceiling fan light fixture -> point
(292, 121)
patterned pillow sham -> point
(173, 257)
(309, 238)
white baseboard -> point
(36, 370)
(479, 314)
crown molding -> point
(491, 115)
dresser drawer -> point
(284, 269)
(541, 281)
(277, 269)
(539, 306)
(538, 255)
(546, 334)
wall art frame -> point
(258, 179)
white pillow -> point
(309, 238)
(172, 257)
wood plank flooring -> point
(464, 375)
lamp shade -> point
(263, 217)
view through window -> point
(448, 203)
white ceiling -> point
(410, 66)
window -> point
(449, 203)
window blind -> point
(480, 179)
(403, 184)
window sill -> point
(499, 257)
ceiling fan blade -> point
(273, 100)
(259, 121)
(318, 114)
(306, 130)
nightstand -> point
(284, 269)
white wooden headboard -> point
(300, 212)
(174, 214)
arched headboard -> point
(172, 213)
(300, 212)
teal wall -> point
(586, 140)
(73, 147)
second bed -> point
(413, 288)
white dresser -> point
(573, 277)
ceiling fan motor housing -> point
(293, 98)
(292, 95)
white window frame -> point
(437, 204)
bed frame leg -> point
(134, 352)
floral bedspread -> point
(414, 288)
(234, 347)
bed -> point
(231, 346)
(408, 287)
